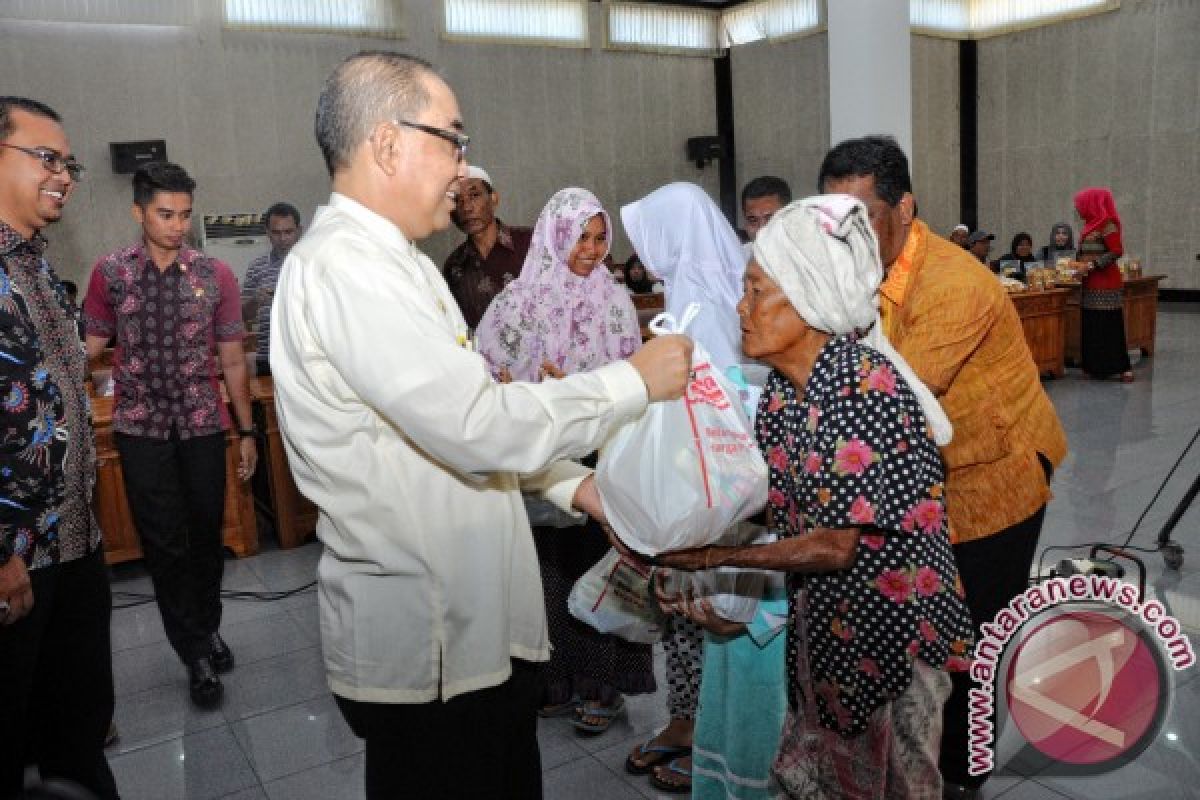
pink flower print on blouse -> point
(926, 515)
(861, 511)
(812, 463)
(853, 457)
(882, 379)
(928, 582)
(867, 666)
(896, 585)
(928, 632)
(874, 541)
(776, 498)
(775, 403)
(776, 458)
(814, 416)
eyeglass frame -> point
(459, 140)
(49, 157)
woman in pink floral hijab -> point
(564, 313)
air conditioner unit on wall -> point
(236, 239)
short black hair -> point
(767, 186)
(878, 156)
(282, 210)
(160, 176)
(10, 103)
(70, 287)
(1020, 237)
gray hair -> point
(366, 89)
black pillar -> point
(968, 134)
(727, 164)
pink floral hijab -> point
(550, 314)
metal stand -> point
(1171, 550)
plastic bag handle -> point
(665, 323)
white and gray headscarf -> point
(823, 254)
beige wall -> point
(781, 108)
(1110, 100)
(236, 109)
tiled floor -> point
(278, 734)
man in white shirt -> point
(432, 617)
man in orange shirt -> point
(952, 321)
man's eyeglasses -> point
(459, 140)
(51, 160)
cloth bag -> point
(686, 471)
(615, 596)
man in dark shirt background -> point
(493, 253)
(172, 310)
(56, 688)
(282, 221)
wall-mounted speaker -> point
(128, 156)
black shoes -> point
(221, 656)
(203, 683)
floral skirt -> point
(896, 758)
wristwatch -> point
(247, 433)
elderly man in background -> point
(56, 686)
(492, 255)
(432, 615)
(954, 324)
(959, 235)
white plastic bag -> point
(733, 591)
(685, 471)
(615, 596)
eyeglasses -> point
(459, 140)
(51, 159)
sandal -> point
(564, 709)
(605, 715)
(673, 768)
(657, 753)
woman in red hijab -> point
(1103, 321)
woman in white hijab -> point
(876, 616)
(683, 238)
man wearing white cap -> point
(959, 234)
(493, 253)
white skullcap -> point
(961, 227)
(474, 172)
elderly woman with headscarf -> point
(566, 314)
(876, 613)
(1102, 319)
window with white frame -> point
(662, 28)
(770, 19)
(970, 19)
(557, 22)
(356, 17)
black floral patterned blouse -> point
(854, 451)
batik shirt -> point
(167, 323)
(262, 273)
(47, 452)
(475, 281)
(854, 452)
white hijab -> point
(823, 254)
(683, 238)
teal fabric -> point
(743, 699)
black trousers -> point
(994, 570)
(56, 685)
(176, 492)
(481, 744)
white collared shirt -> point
(429, 581)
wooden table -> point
(1141, 316)
(293, 514)
(238, 529)
(648, 307)
(1044, 321)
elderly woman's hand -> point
(699, 611)
(549, 370)
(689, 560)
(504, 376)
